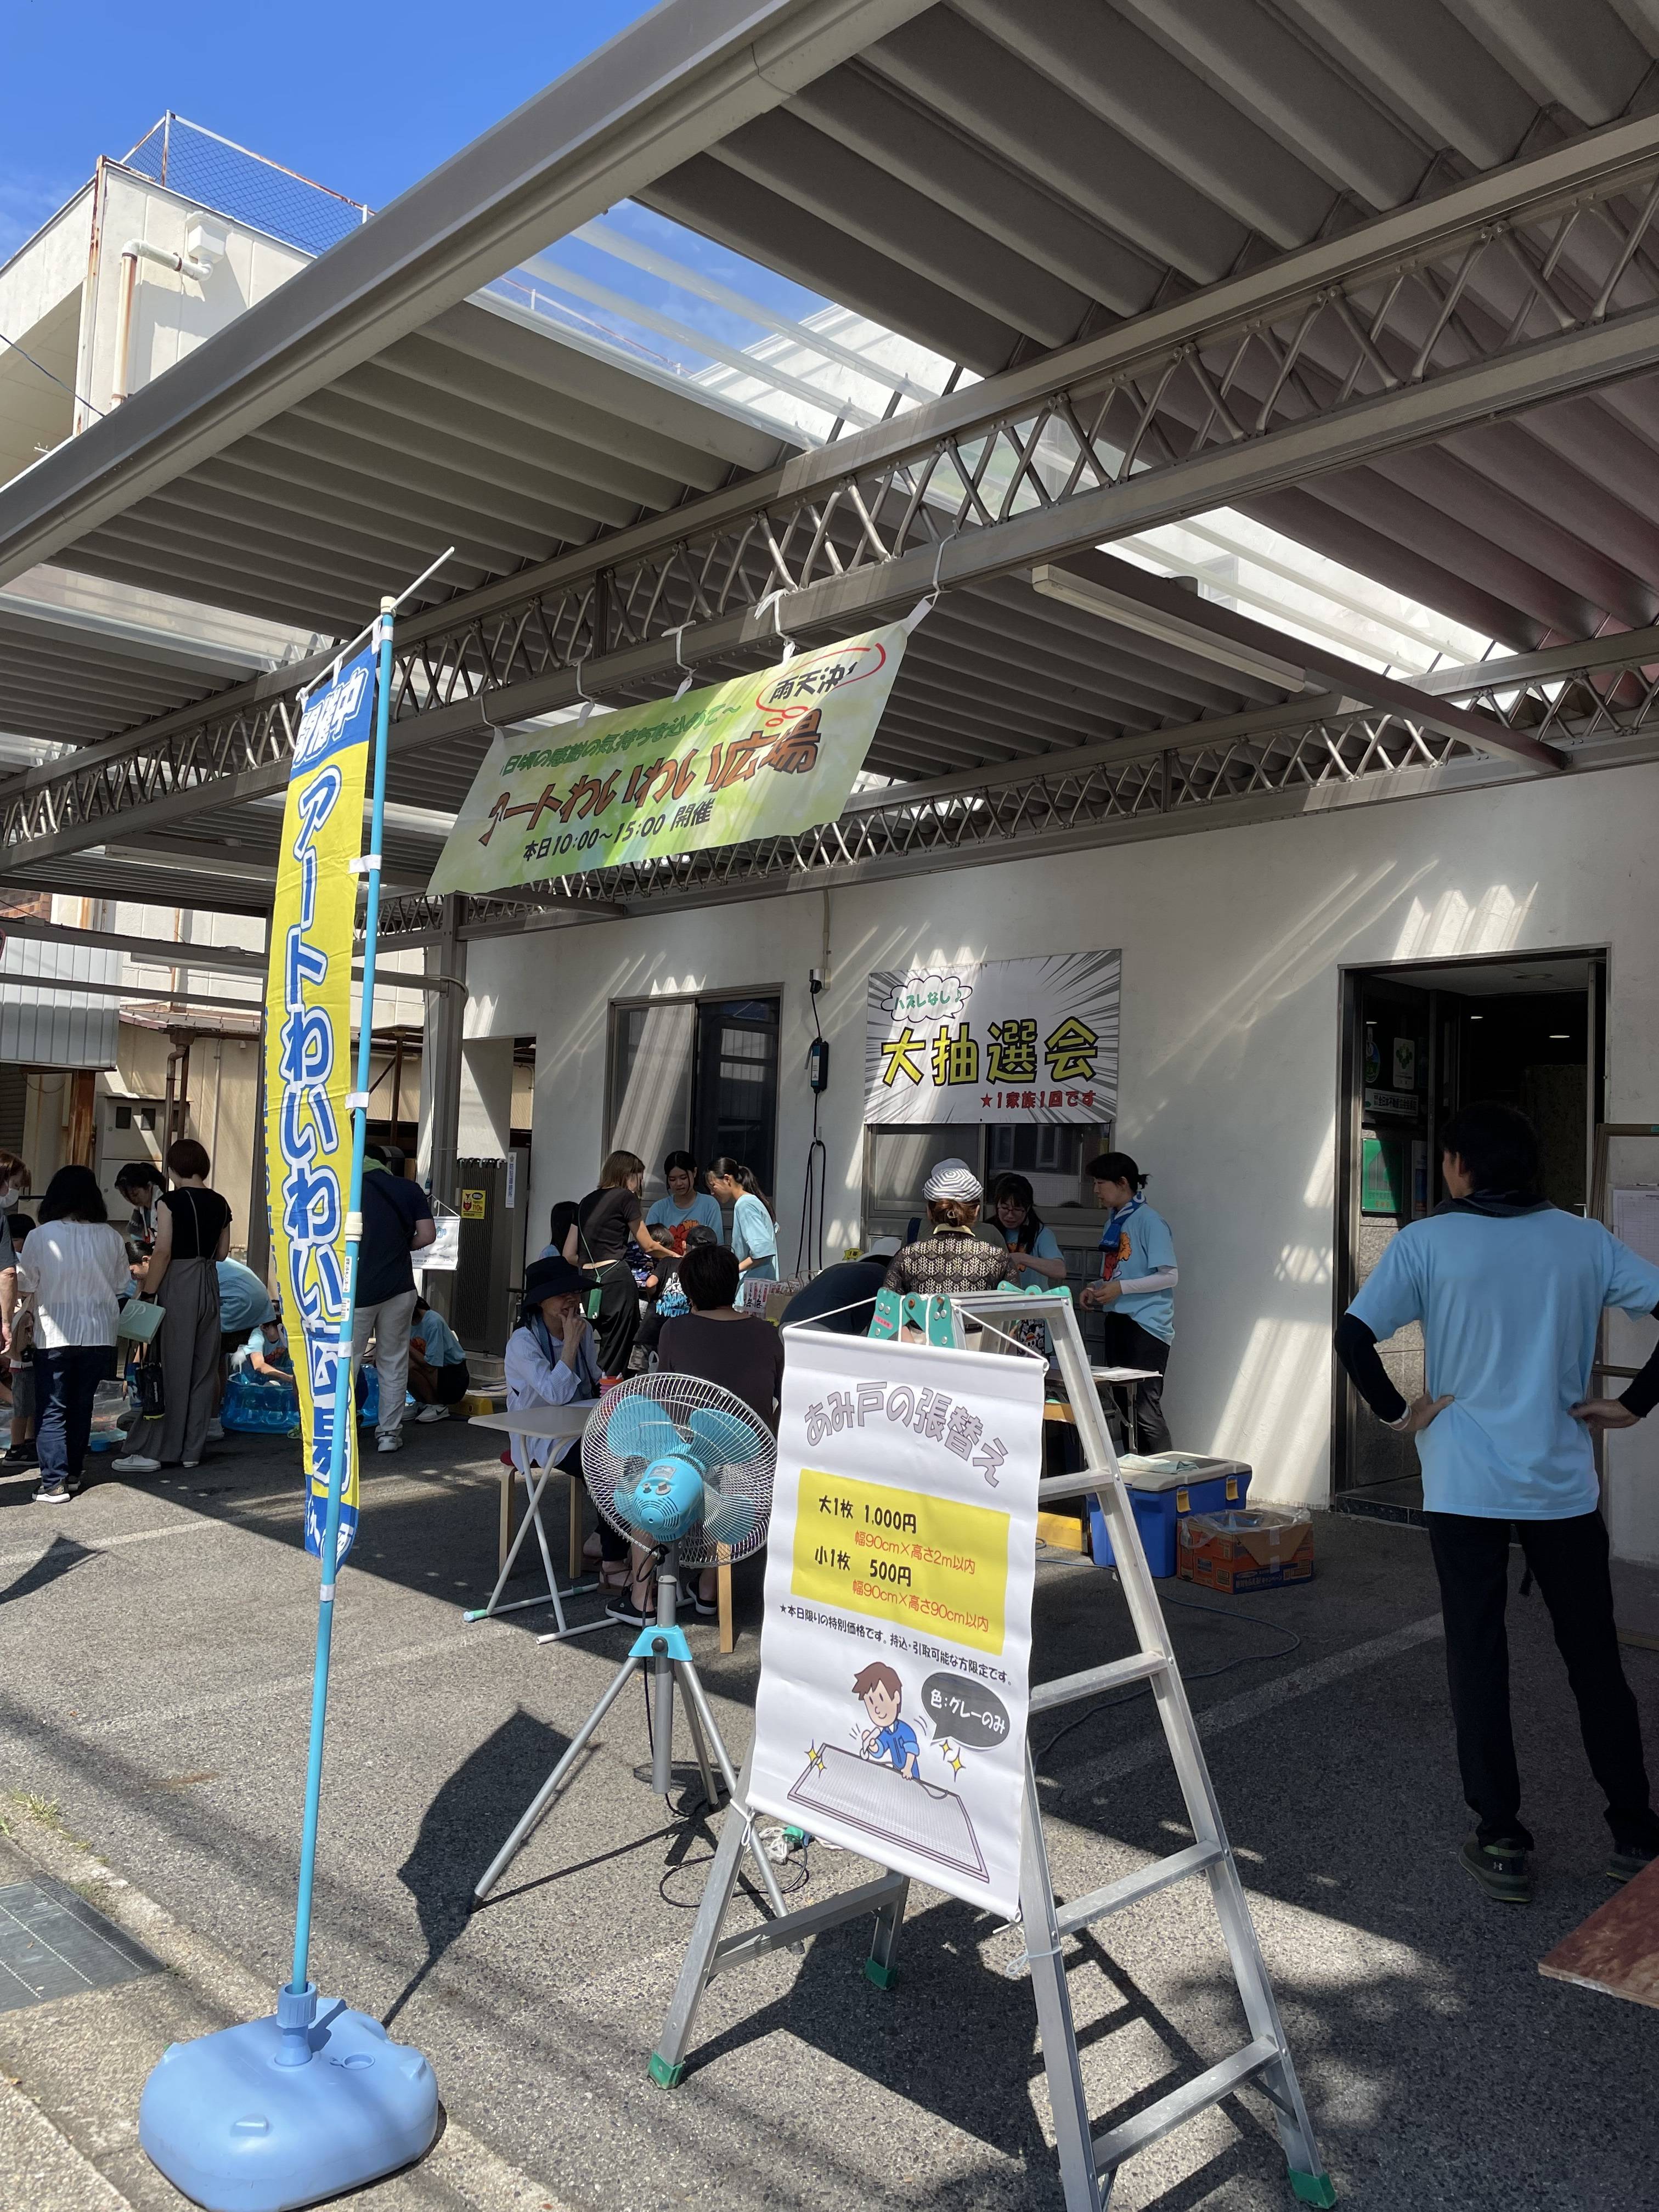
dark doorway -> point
(1419, 1042)
(735, 1113)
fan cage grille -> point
(678, 1397)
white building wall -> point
(1233, 944)
(172, 314)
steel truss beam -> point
(1519, 287)
(1599, 703)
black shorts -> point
(450, 1384)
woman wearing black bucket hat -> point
(552, 1360)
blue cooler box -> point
(1162, 1488)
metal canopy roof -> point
(484, 429)
(998, 178)
(1176, 195)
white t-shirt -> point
(78, 1273)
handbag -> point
(152, 1391)
(139, 1319)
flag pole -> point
(296, 2003)
(291, 2109)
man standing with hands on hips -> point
(1136, 1288)
(1509, 1291)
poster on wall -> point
(308, 1071)
(768, 755)
(1016, 1041)
(896, 1646)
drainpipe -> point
(205, 244)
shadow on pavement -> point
(470, 1815)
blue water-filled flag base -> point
(237, 2129)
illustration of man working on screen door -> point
(888, 1738)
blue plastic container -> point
(1163, 1488)
(255, 1407)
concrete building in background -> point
(110, 1050)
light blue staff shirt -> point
(704, 1207)
(1137, 1242)
(1047, 1247)
(443, 1346)
(753, 1235)
(244, 1301)
(1509, 1307)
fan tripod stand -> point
(660, 1647)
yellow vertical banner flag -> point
(308, 1068)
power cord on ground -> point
(1203, 1674)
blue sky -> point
(312, 96)
(302, 83)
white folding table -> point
(539, 1421)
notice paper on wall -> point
(1636, 1219)
(890, 1718)
(443, 1253)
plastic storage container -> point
(109, 1402)
(254, 1405)
(1164, 1488)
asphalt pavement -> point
(154, 1675)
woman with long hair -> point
(193, 1234)
(753, 1232)
(73, 1266)
(596, 1243)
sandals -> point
(632, 1609)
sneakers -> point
(392, 1440)
(215, 1433)
(1503, 1870)
(135, 1463)
(51, 1493)
(1631, 1859)
(626, 1608)
(17, 1456)
(432, 1413)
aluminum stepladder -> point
(1088, 2163)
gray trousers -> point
(188, 1344)
(388, 1324)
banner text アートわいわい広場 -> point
(768, 755)
(896, 1643)
(308, 1075)
(1031, 1040)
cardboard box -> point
(1255, 1549)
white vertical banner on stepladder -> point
(896, 1645)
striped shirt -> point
(77, 1273)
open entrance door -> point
(1419, 1042)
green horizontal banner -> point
(766, 755)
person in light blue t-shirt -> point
(683, 1206)
(1014, 1219)
(754, 1233)
(1510, 1293)
(1136, 1285)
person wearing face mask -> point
(14, 1182)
